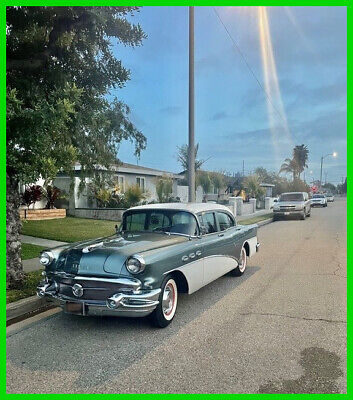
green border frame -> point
(347, 4)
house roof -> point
(133, 169)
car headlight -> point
(46, 258)
(135, 264)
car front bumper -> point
(135, 303)
(318, 204)
(294, 213)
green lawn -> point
(28, 288)
(255, 220)
(69, 229)
(30, 251)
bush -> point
(32, 194)
(51, 193)
(253, 187)
(133, 196)
(164, 189)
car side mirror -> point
(275, 200)
(118, 228)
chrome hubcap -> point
(168, 299)
(242, 264)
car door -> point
(215, 246)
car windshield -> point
(160, 221)
(291, 197)
(318, 196)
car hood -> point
(107, 255)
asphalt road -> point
(280, 328)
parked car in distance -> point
(319, 200)
(292, 204)
(330, 198)
(159, 251)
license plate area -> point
(286, 213)
(75, 308)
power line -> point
(250, 69)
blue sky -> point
(232, 121)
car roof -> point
(191, 207)
(293, 193)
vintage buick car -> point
(158, 251)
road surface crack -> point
(295, 317)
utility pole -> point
(191, 155)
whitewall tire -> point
(164, 313)
(240, 269)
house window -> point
(121, 183)
(141, 183)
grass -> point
(27, 289)
(255, 220)
(30, 251)
(69, 229)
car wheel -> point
(240, 269)
(164, 313)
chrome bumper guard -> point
(136, 303)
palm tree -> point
(300, 155)
(290, 166)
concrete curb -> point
(21, 309)
(265, 222)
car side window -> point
(209, 222)
(225, 221)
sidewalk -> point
(33, 263)
(255, 214)
(41, 242)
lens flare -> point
(280, 132)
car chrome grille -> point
(92, 290)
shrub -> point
(253, 187)
(32, 194)
(133, 196)
(164, 189)
(51, 193)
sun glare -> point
(279, 129)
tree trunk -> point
(14, 269)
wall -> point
(183, 193)
(39, 204)
(112, 214)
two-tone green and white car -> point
(159, 251)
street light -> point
(334, 154)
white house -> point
(126, 175)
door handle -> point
(221, 235)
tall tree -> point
(60, 68)
(290, 166)
(297, 163)
(301, 155)
(183, 157)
